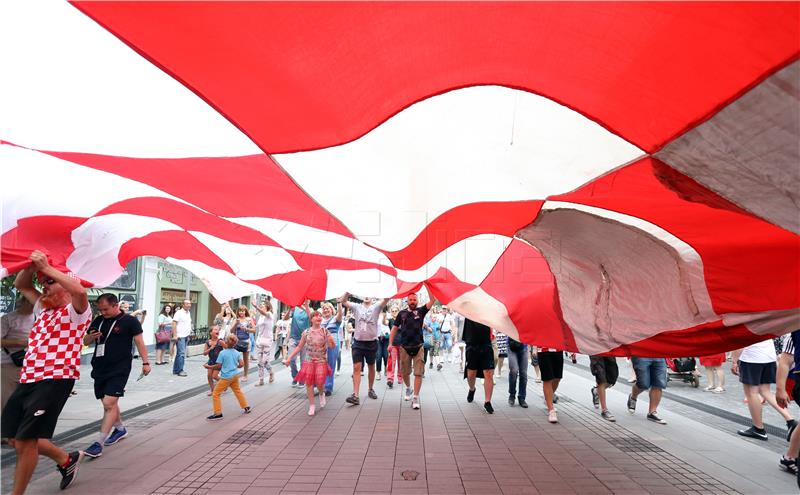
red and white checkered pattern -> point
(54, 345)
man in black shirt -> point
(113, 334)
(408, 328)
(480, 360)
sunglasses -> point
(49, 281)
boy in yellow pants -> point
(229, 363)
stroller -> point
(683, 369)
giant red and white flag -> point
(597, 177)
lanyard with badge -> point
(100, 349)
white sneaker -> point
(338, 373)
(311, 410)
(415, 402)
(378, 376)
(552, 416)
(408, 394)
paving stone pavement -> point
(448, 447)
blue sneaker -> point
(94, 450)
(116, 435)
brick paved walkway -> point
(384, 446)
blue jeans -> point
(382, 355)
(518, 366)
(333, 355)
(650, 372)
(180, 355)
(293, 363)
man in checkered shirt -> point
(51, 366)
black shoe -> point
(430, 366)
(522, 403)
(511, 400)
(246, 410)
(752, 432)
(328, 393)
(470, 395)
(372, 394)
(214, 417)
(790, 425)
(631, 404)
(555, 398)
(70, 471)
(439, 367)
(353, 399)
(390, 383)
(595, 398)
(653, 416)
(488, 407)
(789, 465)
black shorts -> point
(604, 369)
(364, 350)
(479, 357)
(32, 410)
(795, 389)
(551, 365)
(110, 385)
(757, 373)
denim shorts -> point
(650, 372)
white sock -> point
(118, 425)
(102, 437)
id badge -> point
(100, 351)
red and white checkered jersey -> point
(54, 344)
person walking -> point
(224, 320)
(265, 323)
(393, 361)
(479, 360)
(714, 373)
(49, 370)
(365, 343)
(332, 322)
(114, 334)
(517, 369)
(282, 336)
(408, 325)
(788, 388)
(651, 374)
(756, 367)
(163, 333)
(606, 373)
(230, 363)
(502, 352)
(15, 327)
(382, 354)
(181, 330)
(551, 365)
(315, 369)
(212, 349)
(448, 330)
(299, 318)
(243, 327)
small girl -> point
(263, 347)
(229, 363)
(315, 369)
(212, 350)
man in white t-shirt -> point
(756, 366)
(365, 342)
(181, 330)
(448, 329)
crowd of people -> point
(384, 339)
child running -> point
(212, 350)
(229, 361)
(315, 368)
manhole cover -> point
(410, 475)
